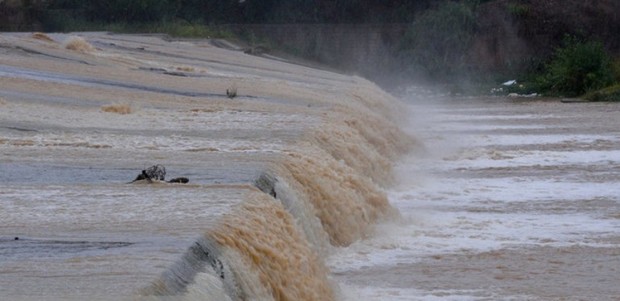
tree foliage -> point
(437, 41)
(127, 10)
(578, 67)
(435, 46)
(246, 11)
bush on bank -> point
(576, 68)
(607, 94)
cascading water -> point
(281, 175)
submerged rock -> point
(266, 183)
(157, 173)
(182, 180)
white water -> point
(514, 201)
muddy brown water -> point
(82, 114)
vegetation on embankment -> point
(607, 94)
(215, 11)
(578, 68)
(551, 48)
(467, 45)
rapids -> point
(515, 199)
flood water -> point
(279, 175)
(309, 185)
(516, 199)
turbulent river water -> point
(514, 200)
(309, 185)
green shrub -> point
(616, 69)
(130, 11)
(518, 10)
(608, 94)
(576, 68)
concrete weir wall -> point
(280, 174)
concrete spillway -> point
(280, 174)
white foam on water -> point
(487, 158)
(353, 292)
(440, 227)
(469, 118)
(486, 127)
(537, 139)
(466, 197)
(503, 190)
